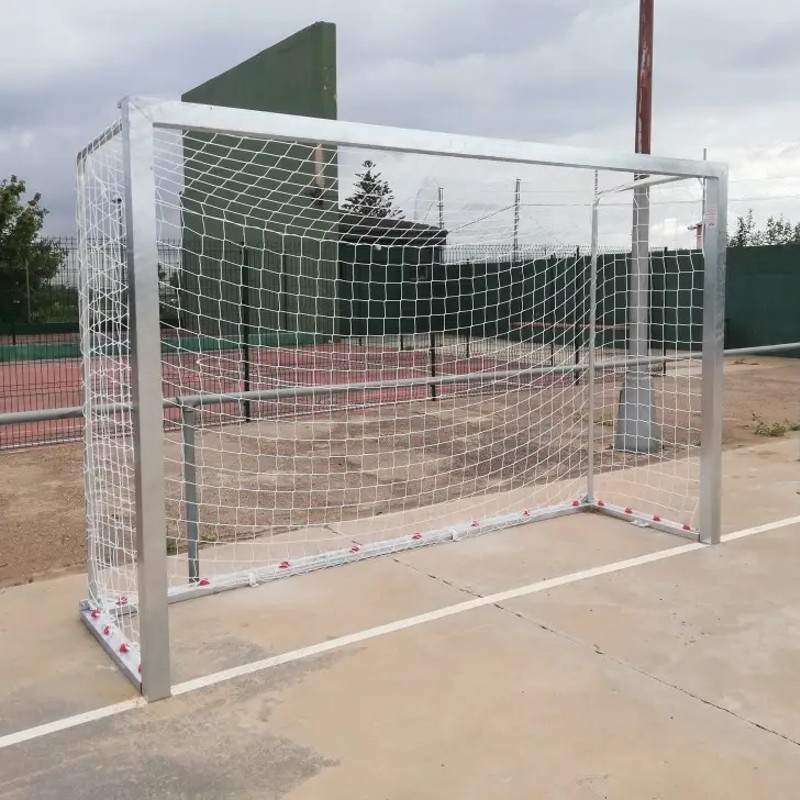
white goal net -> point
(364, 350)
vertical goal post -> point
(240, 176)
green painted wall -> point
(241, 191)
(294, 76)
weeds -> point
(772, 428)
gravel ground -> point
(41, 489)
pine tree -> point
(372, 196)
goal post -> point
(277, 381)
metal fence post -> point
(432, 363)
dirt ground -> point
(41, 489)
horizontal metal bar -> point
(763, 348)
(71, 412)
(306, 390)
(355, 551)
(109, 133)
(241, 122)
(44, 414)
(644, 520)
(644, 183)
(40, 415)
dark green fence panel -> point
(387, 290)
(762, 298)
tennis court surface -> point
(581, 657)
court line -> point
(380, 630)
(768, 526)
(65, 723)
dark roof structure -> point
(388, 231)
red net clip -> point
(475, 524)
(416, 536)
(629, 510)
(283, 565)
(123, 648)
(601, 503)
(106, 630)
(122, 601)
(656, 518)
(203, 582)
(95, 613)
(687, 527)
(355, 548)
(576, 503)
(526, 513)
(139, 670)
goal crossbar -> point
(310, 130)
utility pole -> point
(636, 428)
(517, 205)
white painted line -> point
(769, 526)
(460, 608)
(381, 630)
(428, 616)
(70, 722)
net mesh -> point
(381, 349)
(648, 410)
(105, 343)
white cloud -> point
(552, 70)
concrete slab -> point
(722, 623)
(535, 552)
(671, 679)
(484, 705)
(50, 666)
(514, 711)
(221, 631)
(761, 484)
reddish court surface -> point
(32, 385)
(56, 383)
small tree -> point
(372, 195)
(777, 231)
(27, 262)
(745, 233)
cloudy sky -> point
(547, 70)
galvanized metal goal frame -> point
(140, 119)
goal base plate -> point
(103, 626)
